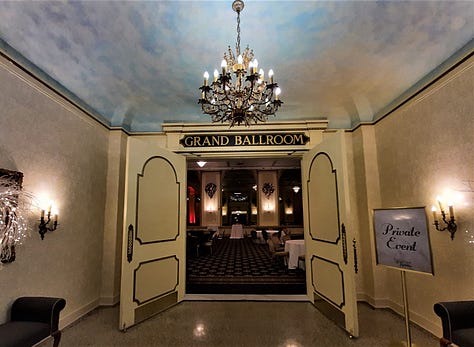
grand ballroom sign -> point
(271, 139)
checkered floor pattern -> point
(240, 266)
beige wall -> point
(406, 159)
(63, 154)
(422, 149)
(113, 227)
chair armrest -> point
(455, 315)
(38, 309)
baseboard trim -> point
(72, 317)
(432, 327)
(109, 300)
(244, 297)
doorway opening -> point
(240, 215)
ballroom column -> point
(210, 198)
(268, 198)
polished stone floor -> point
(241, 323)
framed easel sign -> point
(402, 242)
(402, 239)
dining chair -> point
(301, 258)
(286, 235)
(277, 255)
(277, 243)
(206, 243)
(253, 235)
(265, 235)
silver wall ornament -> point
(268, 189)
(210, 189)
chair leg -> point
(444, 342)
(56, 338)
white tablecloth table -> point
(237, 231)
(295, 248)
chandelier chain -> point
(238, 34)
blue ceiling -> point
(137, 64)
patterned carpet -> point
(240, 266)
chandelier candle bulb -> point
(255, 66)
(224, 66)
(206, 77)
(277, 93)
(216, 75)
(270, 75)
(451, 209)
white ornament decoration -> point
(15, 205)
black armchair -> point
(457, 319)
(32, 320)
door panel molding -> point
(337, 271)
(145, 289)
(333, 172)
(140, 178)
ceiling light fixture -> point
(247, 98)
(201, 163)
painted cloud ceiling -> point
(137, 64)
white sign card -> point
(402, 239)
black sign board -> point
(273, 139)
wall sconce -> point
(296, 189)
(268, 208)
(45, 225)
(450, 224)
(201, 163)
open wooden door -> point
(153, 248)
(329, 267)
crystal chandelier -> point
(247, 98)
